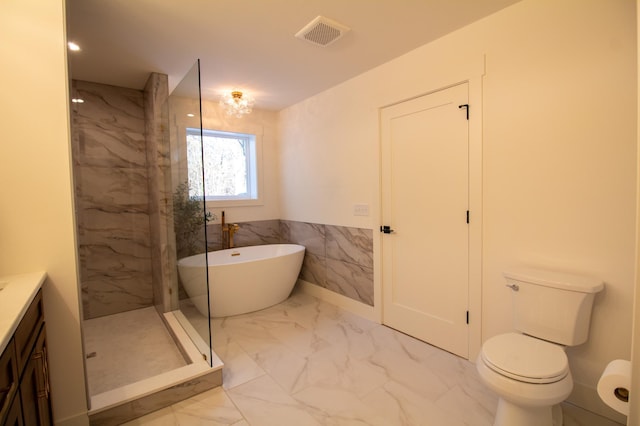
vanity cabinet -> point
(24, 378)
(11, 410)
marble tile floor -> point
(128, 347)
(307, 362)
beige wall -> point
(558, 154)
(36, 212)
(634, 408)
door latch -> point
(386, 229)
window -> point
(230, 165)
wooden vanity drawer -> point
(28, 330)
(9, 381)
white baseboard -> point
(339, 300)
(81, 419)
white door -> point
(425, 197)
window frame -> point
(253, 196)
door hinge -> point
(467, 317)
(466, 106)
(467, 216)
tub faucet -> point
(232, 228)
(227, 234)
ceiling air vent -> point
(322, 31)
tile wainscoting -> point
(337, 258)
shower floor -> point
(127, 347)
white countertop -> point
(15, 298)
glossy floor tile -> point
(307, 362)
(126, 347)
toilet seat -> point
(525, 358)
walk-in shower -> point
(141, 352)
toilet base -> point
(509, 414)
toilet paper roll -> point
(613, 386)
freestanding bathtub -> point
(243, 279)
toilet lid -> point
(525, 358)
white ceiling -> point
(250, 44)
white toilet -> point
(528, 369)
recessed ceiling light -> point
(77, 100)
(191, 115)
(73, 46)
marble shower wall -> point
(158, 152)
(338, 258)
(112, 202)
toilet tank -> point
(551, 305)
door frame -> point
(475, 208)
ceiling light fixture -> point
(236, 103)
(73, 46)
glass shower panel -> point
(189, 211)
